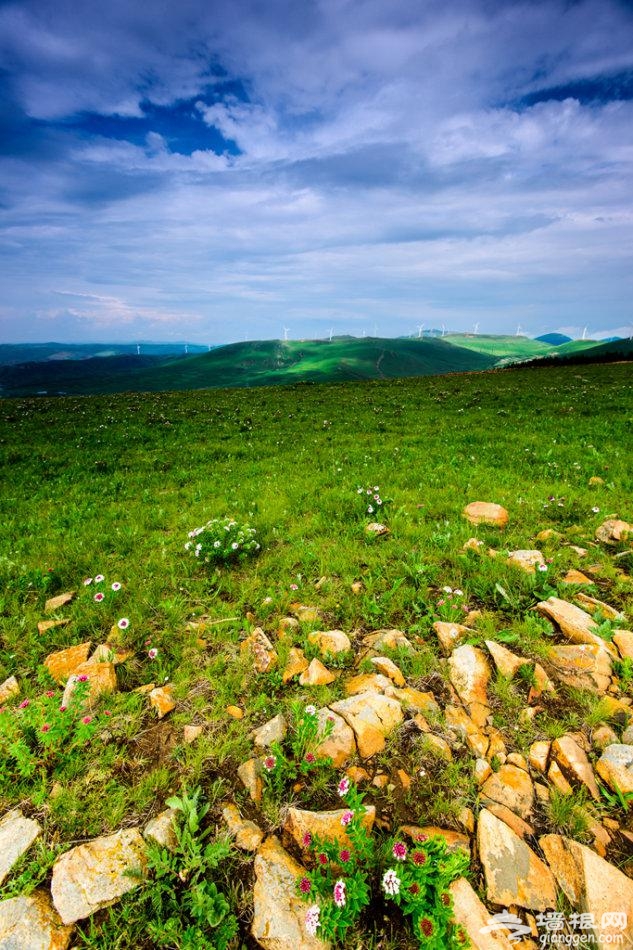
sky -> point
(220, 170)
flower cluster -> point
(221, 540)
(449, 605)
(371, 499)
(297, 757)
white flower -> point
(235, 545)
(391, 882)
(458, 592)
(312, 919)
(370, 510)
(216, 544)
(311, 710)
(447, 590)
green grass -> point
(501, 347)
(112, 485)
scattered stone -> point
(437, 746)
(404, 778)
(162, 829)
(581, 552)
(603, 736)
(376, 529)
(144, 689)
(235, 712)
(483, 512)
(340, 745)
(356, 588)
(469, 672)
(614, 531)
(527, 561)
(513, 873)
(576, 577)
(507, 663)
(32, 923)
(372, 717)
(380, 780)
(261, 649)
(459, 721)
(296, 664)
(357, 774)
(539, 754)
(272, 731)
(306, 614)
(381, 640)
(414, 699)
(278, 911)
(574, 762)
(388, 668)
(450, 635)
(316, 675)
(323, 824)
(162, 700)
(54, 603)
(101, 680)
(594, 887)
(191, 733)
(623, 640)
(617, 710)
(583, 665)
(288, 626)
(511, 819)
(454, 840)
(9, 689)
(96, 874)
(63, 663)
(330, 641)
(615, 766)
(474, 917)
(250, 774)
(575, 623)
(482, 770)
(512, 787)
(549, 534)
(594, 605)
(595, 480)
(105, 653)
(248, 836)
(44, 626)
(367, 683)
(558, 780)
(473, 544)
(17, 834)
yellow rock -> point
(483, 512)
(101, 680)
(316, 675)
(63, 663)
(162, 700)
(54, 603)
(235, 712)
(296, 664)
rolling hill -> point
(500, 347)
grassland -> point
(113, 484)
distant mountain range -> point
(38, 352)
(65, 369)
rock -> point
(372, 717)
(261, 649)
(483, 512)
(515, 758)
(324, 824)
(454, 840)
(540, 683)
(512, 820)
(512, 787)
(9, 689)
(367, 683)
(614, 531)
(306, 614)
(17, 834)
(574, 762)
(295, 665)
(54, 603)
(591, 603)
(248, 836)
(235, 712)
(507, 663)
(191, 733)
(250, 772)
(576, 577)
(466, 818)
(44, 626)
(414, 699)
(623, 640)
(527, 561)
(316, 675)
(63, 663)
(577, 625)
(437, 746)
(105, 653)
(388, 668)
(549, 534)
(474, 917)
(539, 754)
(162, 700)
(162, 829)
(603, 736)
(469, 672)
(272, 731)
(32, 923)
(288, 626)
(330, 642)
(627, 737)
(340, 745)
(513, 873)
(381, 640)
(451, 634)
(616, 710)
(482, 770)
(376, 529)
(473, 544)
(101, 680)
(594, 887)
(460, 722)
(404, 778)
(558, 780)
(145, 689)
(615, 767)
(278, 912)
(596, 480)
(96, 874)
(583, 665)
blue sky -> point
(216, 170)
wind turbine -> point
(286, 332)
(420, 328)
(138, 350)
(331, 333)
(519, 330)
(475, 329)
(584, 334)
(186, 348)
(443, 330)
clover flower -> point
(310, 758)
(426, 926)
(344, 856)
(399, 851)
(339, 893)
(419, 858)
(310, 710)
(87, 581)
(153, 653)
(116, 585)
(86, 720)
(346, 817)
(541, 567)
(305, 885)
(270, 762)
(322, 858)
(312, 922)
(343, 787)
(46, 727)
(595, 509)
(307, 839)
(391, 883)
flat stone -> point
(513, 873)
(94, 875)
(54, 603)
(104, 653)
(325, 825)
(278, 912)
(261, 649)
(593, 886)
(474, 917)
(512, 787)
(460, 722)
(44, 626)
(330, 641)
(340, 745)
(392, 639)
(574, 762)
(63, 663)
(604, 735)
(415, 699)
(623, 640)
(507, 663)
(288, 627)
(388, 668)
(511, 819)
(316, 674)
(296, 664)
(594, 605)
(272, 731)
(539, 754)
(469, 672)
(485, 512)
(250, 774)
(376, 529)
(247, 835)
(576, 577)
(9, 689)
(30, 922)
(17, 834)
(162, 700)
(306, 614)
(482, 770)
(162, 829)
(190, 733)
(101, 681)
(527, 561)
(583, 665)
(515, 758)
(437, 746)
(613, 531)
(451, 635)
(454, 840)
(367, 683)
(235, 712)
(577, 625)
(558, 780)
(372, 717)
(615, 767)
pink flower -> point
(99, 597)
(49, 693)
(116, 586)
(399, 851)
(86, 720)
(307, 839)
(153, 653)
(123, 623)
(82, 679)
(46, 727)
(339, 893)
(322, 858)
(344, 856)
(107, 712)
(343, 787)
(305, 885)
(294, 587)
(312, 922)
(310, 758)
(24, 704)
(346, 817)
(419, 858)
(99, 578)
(270, 762)
(62, 708)
(87, 581)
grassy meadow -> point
(113, 484)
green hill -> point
(264, 363)
(500, 347)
